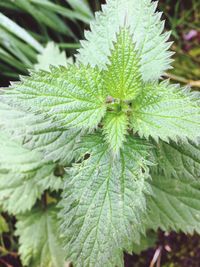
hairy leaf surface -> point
(180, 160)
(123, 77)
(115, 130)
(55, 143)
(165, 111)
(39, 238)
(145, 26)
(103, 202)
(23, 176)
(175, 205)
(70, 96)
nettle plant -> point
(96, 153)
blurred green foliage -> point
(27, 25)
(182, 17)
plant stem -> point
(183, 80)
(6, 252)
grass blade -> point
(65, 12)
(18, 31)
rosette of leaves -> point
(128, 143)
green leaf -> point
(24, 176)
(115, 130)
(180, 159)
(175, 205)
(39, 238)
(122, 77)
(67, 96)
(13, 120)
(3, 225)
(103, 202)
(165, 111)
(145, 27)
(55, 143)
(51, 55)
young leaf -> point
(123, 77)
(103, 201)
(145, 27)
(72, 96)
(23, 176)
(39, 238)
(178, 160)
(174, 205)
(115, 130)
(165, 111)
(51, 55)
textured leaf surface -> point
(39, 239)
(122, 77)
(165, 111)
(55, 143)
(72, 96)
(175, 205)
(23, 176)
(51, 55)
(102, 203)
(146, 28)
(180, 159)
(115, 130)
(14, 121)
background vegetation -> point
(26, 26)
